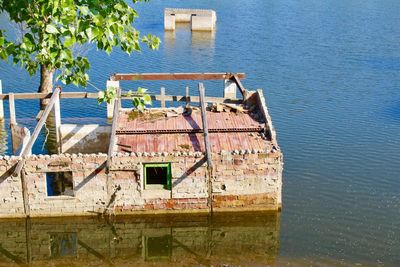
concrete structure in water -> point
(219, 156)
(200, 19)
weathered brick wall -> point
(252, 180)
(189, 188)
(240, 180)
(89, 179)
(11, 203)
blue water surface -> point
(330, 71)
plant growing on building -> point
(139, 98)
(50, 29)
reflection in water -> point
(3, 138)
(169, 40)
(203, 38)
(182, 36)
(245, 239)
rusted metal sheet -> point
(190, 142)
(174, 76)
(218, 122)
(152, 132)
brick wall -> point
(246, 180)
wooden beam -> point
(239, 84)
(117, 105)
(11, 105)
(269, 128)
(187, 95)
(79, 95)
(25, 196)
(36, 132)
(205, 124)
(162, 96)
(48, 95)
(174, 76)
(57, 118)
(206, 145)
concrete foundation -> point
(200, 19)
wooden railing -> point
(54, 102)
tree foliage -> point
(53, 27)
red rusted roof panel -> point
(189, 142)
(228, 131)
(217, 121)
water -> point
(142, 241)
(331, 73)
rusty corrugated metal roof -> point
(228, 131)
(217, 122)
(189, 142)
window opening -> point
(157, 175)
(63, 245)
(59, 184)
(158, 248)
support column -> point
(169, 22)
(11, 105)
(110, 106)
(57, 118)
(162, 100)
(230, 89)
(207, 146)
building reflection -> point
(203, 38)
(245, 239)
(183, 37)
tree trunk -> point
(46, 84)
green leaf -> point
(69, 41)
(147, 99)
(84, 10)
(3, 54)
(51, 29)
(141, 90)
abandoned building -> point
(211, 154)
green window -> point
(157, 176)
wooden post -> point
(162, 95)
(11, 104)
(1, 103)
(36, 132)
(206, 144)
(230, 89)
(187, 95)
(25, 194)
(242, 90)
(110, 107)
(109, 183)
(13, 121)
(57, 118)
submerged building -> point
(210, 154)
